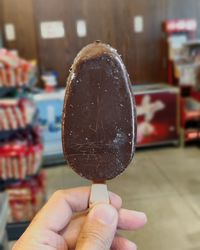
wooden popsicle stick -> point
(99, 194)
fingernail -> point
(139, 215)
(131, 245)
(104, 213)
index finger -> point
(57, 212)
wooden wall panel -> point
(20, 13)
(110, 21)
(54, 54)
(143, 51)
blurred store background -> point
(160, 45)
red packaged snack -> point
(20, 158)
(11, 117)
(4, 77)
(18, 75)
(19, 117)
(28, 110)
(14, 71)
(37, 157)
(22, 167)
(10, 76)
(25, 68)
(30, 162)
(9, 58)
(15, 163)
(3, 168)
(7, 116)
(16, 113)
(9, 174)
(20, 202)
(3, 120)
(26, 197)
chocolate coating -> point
(99, 119)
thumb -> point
(99, 229)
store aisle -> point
(165, 184)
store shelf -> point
(15, 230)
(190, 120)
(53, 160)
(192, 115)
(192, 135)
(4, 91)
(7, 182)
(194, 42)
(25, 130)
(7, 134)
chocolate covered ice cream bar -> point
(99, 118)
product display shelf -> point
(14, 133)
(184, 72)
(20, 141)
(8, 182)
(15, 230)
(190, 120)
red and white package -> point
(4, 76)
(28, 110)
(18, 74)
(3, 120)
(26, 197)
(12, 80)
(37, 158)
(22, 167)
(25, 69)
(11, 117)
(16, 113)
(8, 58)
(8, 76)
(2, 80)
(20, 202)
(30, 162)
(14, 71)
(3, 168)
(19, 117)
(15, 165)
(9, 168)
(19, 159)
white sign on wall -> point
(81, 28)
(52, 30)
(138, 24)
(10, 34)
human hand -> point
(64, 224)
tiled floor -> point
(165, 184)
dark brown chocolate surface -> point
(98, 126)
